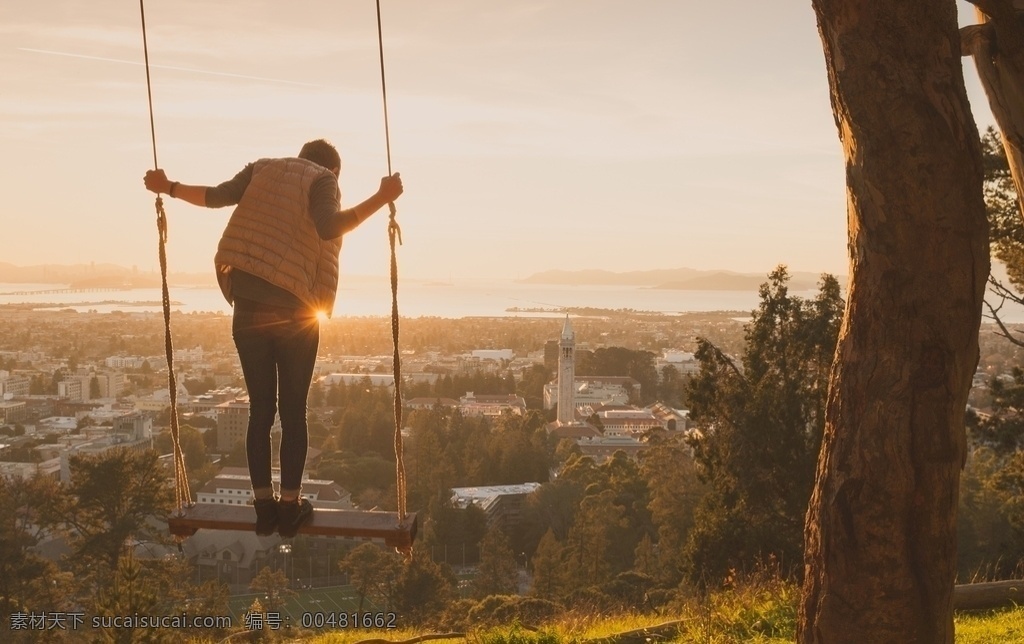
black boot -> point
(266, 516)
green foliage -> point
(672, 387)
(675, 492)
(449, 450)
(531, 387)
(548, 568)
(424, 589)
(503, 610)
(519, 635)
(110, 501)
(357, 473)
(619, 361)
(456, 386)
(751, 615)
(192, 447)
(374, 573)
(759, 425)
(197, 386)
(273, 586)
(1006, 226)
(28, 582)
(497, 573)
(451, 533)
(990, 544)
(154, 588)
(1003, 428)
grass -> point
(993, 627)
(760, 613)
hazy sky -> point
(530, 135)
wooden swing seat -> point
(325, 522)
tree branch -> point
(1001, 291)
(724, 358)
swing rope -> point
(394, 232)
(182, 496)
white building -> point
(232, 486)
(57, 425)
(72, 389)
(628, 422)
(493, 354)
(14, 386)
(376, 379)
(80, 388)
(592, 391)
(124, 362)
(501, 503)
(491, 406)
(12, 412)
(601, 448)
(684, 361)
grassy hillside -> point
(764, 612)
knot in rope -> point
(394, 230)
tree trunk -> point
(880, 539)
(1001, 70)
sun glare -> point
(321, 316)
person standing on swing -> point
(277, 264)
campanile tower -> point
(567, 375)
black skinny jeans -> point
(277, 348)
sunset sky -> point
(531, 135)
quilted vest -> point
(272, 235)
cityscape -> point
(512, 323)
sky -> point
(530, 135)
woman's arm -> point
(157, 181)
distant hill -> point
(674, 278)
(609, 278)
(726, 281)
(97, 276)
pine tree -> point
(498, 573)
(548, 568)
(758, 427)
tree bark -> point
(880, 538)
(997, 47)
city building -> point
(684, 361)
(493, 354)
(594, 391)
(14, 386)
(232, 486)
(374, 379)
(136, 434)
(501, 503)
(673, 420)
(232, 423)
(601, 448)
(124, 362)
(480, 405)
(72, 389)
(210, 400)
(628, 422)
(427, 402)
(12, 412)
